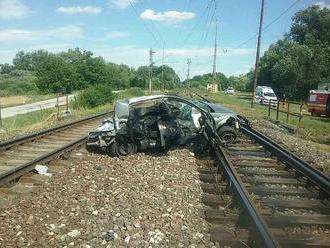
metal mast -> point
(151, 52)
(188, 70)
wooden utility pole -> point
(215, 52)
(215, 85)
(151, 52)
(256, 68)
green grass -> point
(311, 128)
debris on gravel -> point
(143, 200)
(305, 149)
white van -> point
(264, 94)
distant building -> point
(213, 88)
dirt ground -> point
(144, 200)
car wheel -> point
(91, 149)
(122, 148)
(227, 134)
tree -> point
(54, 75)
(6, 68)
(301, 60)
(29, 61)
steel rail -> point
(23, 168)
(264, 237)
(28, 166)
(313, 174)
(25, 138)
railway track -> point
(20, 155)
(260, 195)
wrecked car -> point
(226, 121)
(141, 123)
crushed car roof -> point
(141, 98)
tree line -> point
(75, 69)
(293, 65)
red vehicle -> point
(318, 102)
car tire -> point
(120, 149)
(227, 134)
(91, 149)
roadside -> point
(12, 101)
(31, 122)
(31, 107)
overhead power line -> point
(153, 26)
(269, 24)
(145, 25)
(198, 23)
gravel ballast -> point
(304, 149)
(99, 201)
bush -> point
(17, 82)
(131, 92)
(94, 96)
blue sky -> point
(122, 31)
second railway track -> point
(260, 195)
(20, 155)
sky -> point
(123, 31)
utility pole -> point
(0, 117)
(215, 52)
(256, 68)
(215, 85)
(163, 67)
(151, 52)
(188, 70)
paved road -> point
(26, 108)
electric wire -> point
(145, 25)
(268, 25)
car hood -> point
(220, 109)
(106, 126)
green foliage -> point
(76, 70)
(201, 81)
(55, 76)
(6, 68)
(242, 82)
(94, 96)
(131, 92)
(301, 60)
(29, 61)
(17, 82)
(162, 77)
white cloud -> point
(13, 9)
(171, 16)
(116, 35)
(26, 35)
(122, 4)
(323, 4)
(79, 10)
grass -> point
(310, 128)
